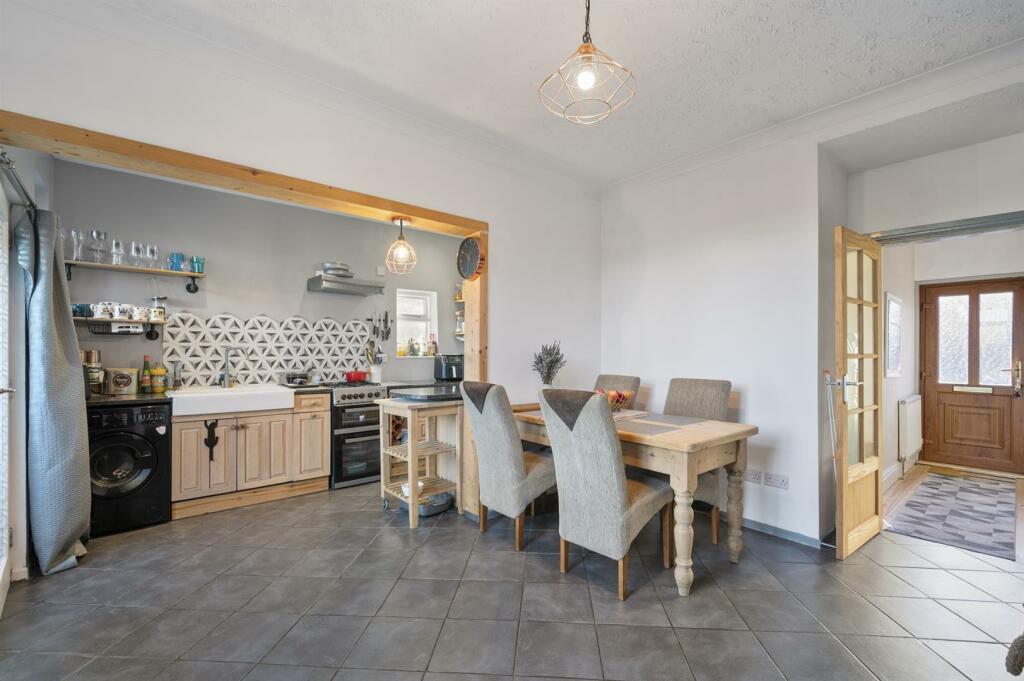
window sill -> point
(417, 357)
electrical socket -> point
(753, 476)
(776, 480)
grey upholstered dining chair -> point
(510, 478)
(703, 399)
(599, 507)
(618, 382)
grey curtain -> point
(59, 497)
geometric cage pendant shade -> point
(588, 87)
(401, 257)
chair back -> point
(499, 449)
(592, 500)
(698, 398)
(619, 382)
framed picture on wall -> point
(893, 335)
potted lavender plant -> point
(547, 362)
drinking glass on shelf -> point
(138, 253)
(116, 251)
(152, 256)
(98, 245)
(78, 237)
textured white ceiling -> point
(708, 71)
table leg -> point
(414, 487)
(734, 501)
(684, 537)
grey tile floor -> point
(329, 587)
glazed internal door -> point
(858, 265)
(972, 345)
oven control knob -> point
(361, 396)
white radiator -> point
(910, 440)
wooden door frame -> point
(922, 290)
(80, 144)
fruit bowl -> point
(617, 399)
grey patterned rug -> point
(970, 512)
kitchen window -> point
(416, 321)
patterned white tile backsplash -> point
(198, 344)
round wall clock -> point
(471, 258)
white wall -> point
(714, 274)
(107, 70)
(993, 254)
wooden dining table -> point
(682, 448)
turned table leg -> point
(684, 538)
(734, 500)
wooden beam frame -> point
(80, 144)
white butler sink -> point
(217, 400)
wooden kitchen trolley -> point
(431, 454)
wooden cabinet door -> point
(311, 448)
(264, 450)
(194, 472)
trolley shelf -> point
(431, 485)
(430, 448)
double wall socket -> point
(753, 476)
(769, 479)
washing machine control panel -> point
(123, 418)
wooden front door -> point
(972, 345)
(858, 371)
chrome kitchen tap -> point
(227, 380)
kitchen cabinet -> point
(196, 470)
(263, 447)
(311, 445)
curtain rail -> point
(7, 166)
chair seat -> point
(646, 496)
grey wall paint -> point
(258, 257)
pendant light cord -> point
(586, 25)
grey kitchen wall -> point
(259, 255)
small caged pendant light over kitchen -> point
(589, 85)
(401, 257)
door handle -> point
(1018, 381)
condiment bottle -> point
(146, 377)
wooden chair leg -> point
(520, 521)
(563, 556)
(666, 536)
(483, 518)
(714, 524)
(544, 502)
(623, 576)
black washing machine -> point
(129, 465)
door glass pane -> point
(852, 331)
(995, 338)
(853, 438)
(868, 390)
(953, 332)
(852, 270)
(868, 280)
(853, 391)
(869, 329)
(869, 434)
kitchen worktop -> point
(126, 400)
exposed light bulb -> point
(585, 79)
(401, 253)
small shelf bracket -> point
(192, 286)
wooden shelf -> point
(432, 448)
(433, 484)
(191, 287)
(108, 320)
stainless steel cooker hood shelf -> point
(350, 287)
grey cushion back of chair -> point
(592, 498)
(499, 450)
(699, 398)
(608, 382)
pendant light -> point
(401, 257)
(589, 85)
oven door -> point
(350, 416)
(355, 456)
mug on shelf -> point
(140, 314)
(102, 309)
(81, 310)
(122, 311)
(156, 314)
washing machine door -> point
(120, 463)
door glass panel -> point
(868, 280)
(852, 391)
(852, 270)
(869, 434)
(868, 389)
(853, 438)
(953, 332)
(995, 338)
(869, 329)
(852, 329)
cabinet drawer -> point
(315, 402)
